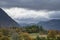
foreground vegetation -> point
(32, 32)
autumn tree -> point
(52, 34)
(25, 36)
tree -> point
(32, 29)
(41, 28)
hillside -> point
(5, 20)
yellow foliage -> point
(52, 34)
(25, 36)
(5, 38)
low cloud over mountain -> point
(26, 15)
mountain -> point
(53, 24)
(5, 20)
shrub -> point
(51, 34)
(58, 38)
(5, 38)
(38, 38)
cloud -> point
(25, 15)
(32, 4)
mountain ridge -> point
(53, 24)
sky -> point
(31, 11)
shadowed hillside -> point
(6, 21)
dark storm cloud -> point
(32, 4)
